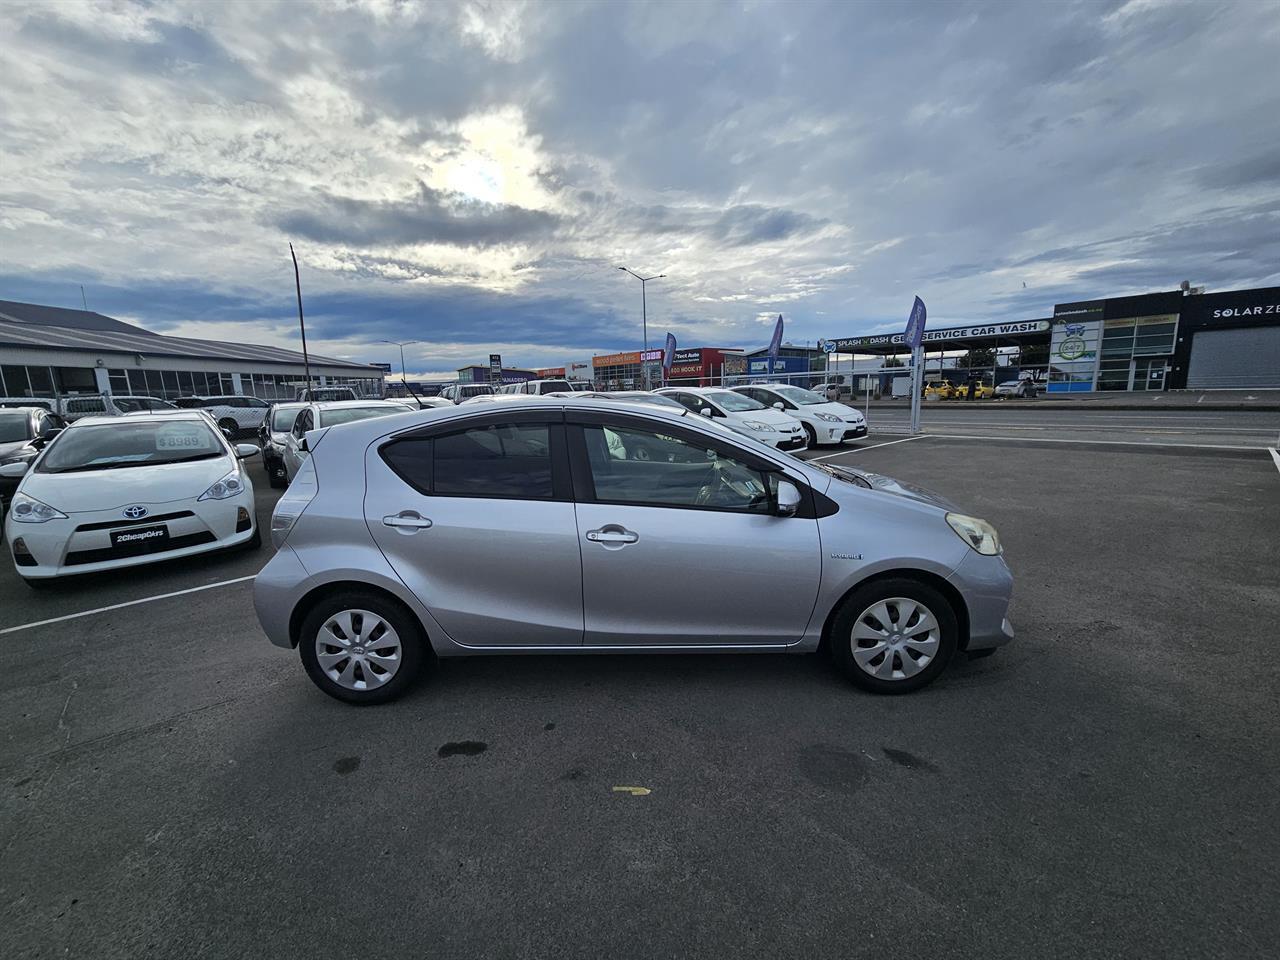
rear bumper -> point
(987, 587)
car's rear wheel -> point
(361, 647)
(894, 635)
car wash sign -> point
(939, 337)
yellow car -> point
(939, 390)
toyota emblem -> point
(136, 512)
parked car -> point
(457, 392)
(834, 391)
(627, 396)
(410, 536)
(234, 414)
(423, 403)
(111, 492)
(1023, 388)
(741, 413)
(43, 403)
(323, 394)
(540, 387)
(824, 421)
(315, 416)
(272, 435)
(939, 390)
(24, 432)
(133, 404)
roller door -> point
(1244, 359)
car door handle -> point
(406, 519)
(612, 534)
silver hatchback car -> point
(549, 525)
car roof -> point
(24, 410)
(145, 415)
(341, 404)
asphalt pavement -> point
(173, 786)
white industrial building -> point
(52, 351)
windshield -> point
(734, 402)
(799, 396)
(329, 418)
(131, 444)
(553, 386)
(282, 419)
(14, 427)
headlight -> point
(232, 485)
(829, 417)
(977, 533)
(756, 425)
(26, 509)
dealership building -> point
(51, 351)
(1157, 341)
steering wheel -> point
(719, 483)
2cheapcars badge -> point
(135, 512)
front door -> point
(478, 522)
(680, 544)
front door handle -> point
(407, 520)
(612, 535)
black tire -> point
(275, 474)
(841, 642)
(414, 649)
(811, 433)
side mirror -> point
(244, 450)
(779, 406)
(705, 411)
(788, 498)
(302, 445)
(16, 469)
(228, 434)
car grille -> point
(113, 524)
(76, 557)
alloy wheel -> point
(895, 638)
(358, 650)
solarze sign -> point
(1258, 311)
(985, 330)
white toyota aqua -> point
(113, 492)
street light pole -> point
(644, 318)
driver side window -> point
(640, 467)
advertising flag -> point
(915, 324)
(668, 354)
(776, 342)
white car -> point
(457, 392)
(1017, 388)
(742, 414)
(825, 421)
(111, 492)
(314, 416)
(235, 414)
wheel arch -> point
(334, 587)
(941, 584)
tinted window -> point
(411, 460)
(14, 427)
(510, 460)
(648, 468)
(283, 419)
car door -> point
(293, 453)
(477, 518)
(683, 546)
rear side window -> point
(503, 461)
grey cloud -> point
(1256, 171)
(431, 216)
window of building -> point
(15, 381)
(119, 381)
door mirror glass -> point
(788, 498)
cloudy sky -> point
(471, 174)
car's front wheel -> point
(811, 433)
(894, 635)
(361, 647)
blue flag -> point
(776, 342)
(668, 354)
(915, 324)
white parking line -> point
(1110, 443)
(117, 606)
(888, 443)
(1275, 455)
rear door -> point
(680, 545)
(477, 518)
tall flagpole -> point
(302, 326)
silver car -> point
(583, 526)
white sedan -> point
(742, 414)
(825, 421)
(113, 492)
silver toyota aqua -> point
(585, 526)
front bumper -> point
(83, 542)
(786, 441)
(986, 585)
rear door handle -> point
(407, 520)
(612, 534)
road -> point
(172, 786)
(1216, 428)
